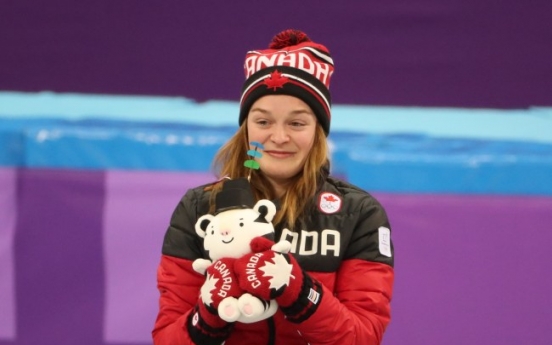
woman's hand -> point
(220, 291)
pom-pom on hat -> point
(292, 65)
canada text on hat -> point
(293, 65)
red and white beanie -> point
(292, 65)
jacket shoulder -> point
(367, 218)
(198, 198)
(354, 197)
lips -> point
(279, 154)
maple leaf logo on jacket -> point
(329, 203)
(276, 80)
(279, 270)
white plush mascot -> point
(228, 234)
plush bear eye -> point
(212, 232)
(241, 224)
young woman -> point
(341, 261)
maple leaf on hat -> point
(276, 80)
(279, 270)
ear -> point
(202, 224)
(266, 208)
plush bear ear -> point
(266, 208)
(202, 224)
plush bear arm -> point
(201, 265)
(282, 247)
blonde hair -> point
(228, 162)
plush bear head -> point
(229, 233)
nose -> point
(225, 232)
(279, 135)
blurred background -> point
(111, 110)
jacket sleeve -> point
(358, 310)
(177, 282)
(178, 286)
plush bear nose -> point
(225, 232)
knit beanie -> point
(292, 65)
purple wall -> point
(470, 53)
(58, 259)
(8, 211)
(137, 207)
(470, 269)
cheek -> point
(259, 136)
(306, 142)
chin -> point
(275, 172)
(280, 176)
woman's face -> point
(285, 125)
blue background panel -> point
(398, 163)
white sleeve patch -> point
(384, 241)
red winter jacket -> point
(345, 246)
